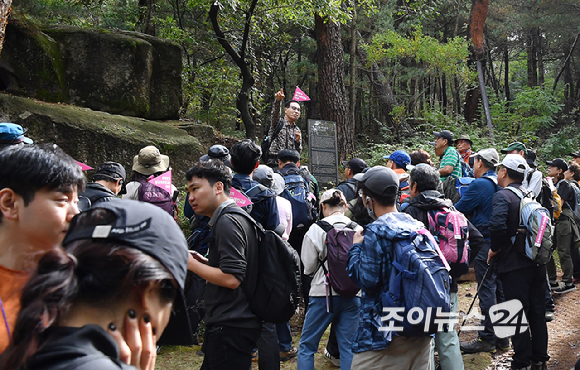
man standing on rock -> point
(283, 133)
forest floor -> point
(563, 344)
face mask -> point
(370, 210)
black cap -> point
(356, 165)
(113, 170)
(531, 159)
(577, 154)
(380, 180)
(445, 134)
(558, 162)
(218, 152)
(153, 231)
(289, 155)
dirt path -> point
(563, 341)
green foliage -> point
(531, 110)
(437, 57)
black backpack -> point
(272, 283)
(267, 142)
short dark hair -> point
(426, 178)
(385, 201)
(30, 168)
(575, 169)
(289, 155)
(245, 155)
(487, 164)
(514, 175)
(287, 105)
(419, 156)
(214, 171)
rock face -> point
(94, 137)
(124, 73)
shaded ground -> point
(563, 345)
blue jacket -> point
(264, 208)
(477, 201)
(369, 266)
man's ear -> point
(219, 187)
(9, 203)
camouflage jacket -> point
(285, 139)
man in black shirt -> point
(523, 279)
(107, 184)
(564, 236)
(232, 329)
(351, 168)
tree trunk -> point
(247, 80)
(333, 105)
(531, 57)
(540, 57)
(506, 61)
(352, 69)
(477, 19)
(380, 86)
(5, 9)
(146, 16)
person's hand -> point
(297, 135)
(358, 237)
(279, 95)
(490, 255)
(137, 346)
(198, 257)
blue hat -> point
(400, 157)
(11, 133)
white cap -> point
(515, 162)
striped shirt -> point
(450, 157)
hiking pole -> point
(476, 294)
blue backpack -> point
(419, 282)
(297, 192)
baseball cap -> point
(289, 155)
(380, 180)
(113, 170)
(558, 162)
(445, 134)
(264, 175)
(329, 193)
(11, 133)
(489, 154)
(515, 162)
(517, 145)
(577, 154)
(531, 159)
(357, 165)
(219, 152)
(153, 231)
(464, 137)
(400, 157)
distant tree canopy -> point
(410, 63)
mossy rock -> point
(117, 72)
(93, 137)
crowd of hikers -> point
(96, 275)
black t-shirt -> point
(231, 236)
(566, 192)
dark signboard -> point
(322, 150)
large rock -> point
(124, 73)
(93, 137)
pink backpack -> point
(449, 227)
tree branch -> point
(565, 62)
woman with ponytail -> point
(122, 267)
(325, 304)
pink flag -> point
(240, 199)
(299, 95)
(163, 181)
(84, 167)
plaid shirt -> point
(369, 266)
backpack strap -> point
(324, 225)
(255, 190)
(277, 130)
(530, 174)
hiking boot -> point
(503, 344)
(255, 356)
(549, 316)
(538, 366)
(554, 286)
(565, 288)
(334, 360)
(285, 356)
(477, 345)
